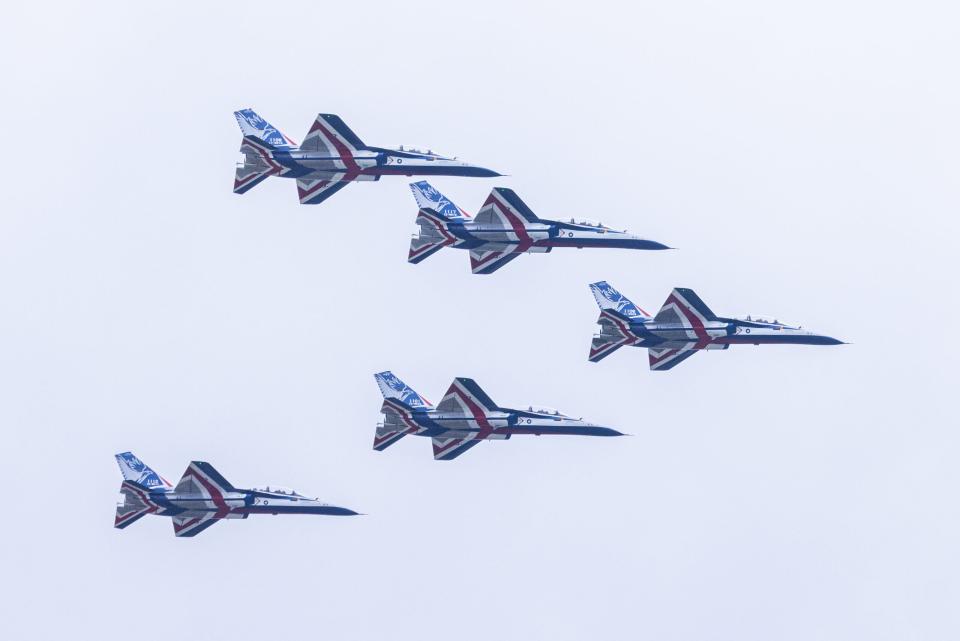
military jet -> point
(683, 326)
(465, 417)
(202, 497)
(330, 158)
(503, 229)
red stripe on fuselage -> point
(346, 156)
(215, 495)
(519, 229)
(703, 339)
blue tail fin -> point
(133, 469)
(393, 388)
(251, 124)
(428, 197)
(610, 299)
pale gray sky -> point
(802, 157)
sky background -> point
(803, 158)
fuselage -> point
(544, 236)
(241, 503)
(370, 164)
(501, 424)
(722, 333)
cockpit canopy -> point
(279, 489)
(426, 152)
(548, 411)
(587, 222)
(764, 319)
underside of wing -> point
(669, 357)
(314, 192)
(487, 262)
(447, 449)
(193, 523)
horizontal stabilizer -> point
(433, 236)
(258, 165)
(136, 503)
(387, 436)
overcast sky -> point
(802, 158)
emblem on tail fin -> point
(133, 469)
(393, 387)
(609, 298)
(428, 197)
(251, 124)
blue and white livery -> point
(330, 157)
(503, 229)
(465, 416)
(682, 327)
(202, 497)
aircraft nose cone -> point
(652, 244)
(341, 511)
(608, 431)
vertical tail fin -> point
(393, 388)
(133, 469)
(428, 197)
(252, 125)
(609, 299)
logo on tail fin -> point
(609, 298)
(428, 197)
(251, 124)
(393, 387)
(133, 469)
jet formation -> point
(330, 157)
(504, 228)
(465, 416)
(202, 497)
(682, 327)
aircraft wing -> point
(670, 357)
(447, 449)
(193, 523)
(487, 262)
(314, 192)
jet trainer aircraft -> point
(330, 157)
(683, 326)
(503, 229)
(465, 417)
(202, 497)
